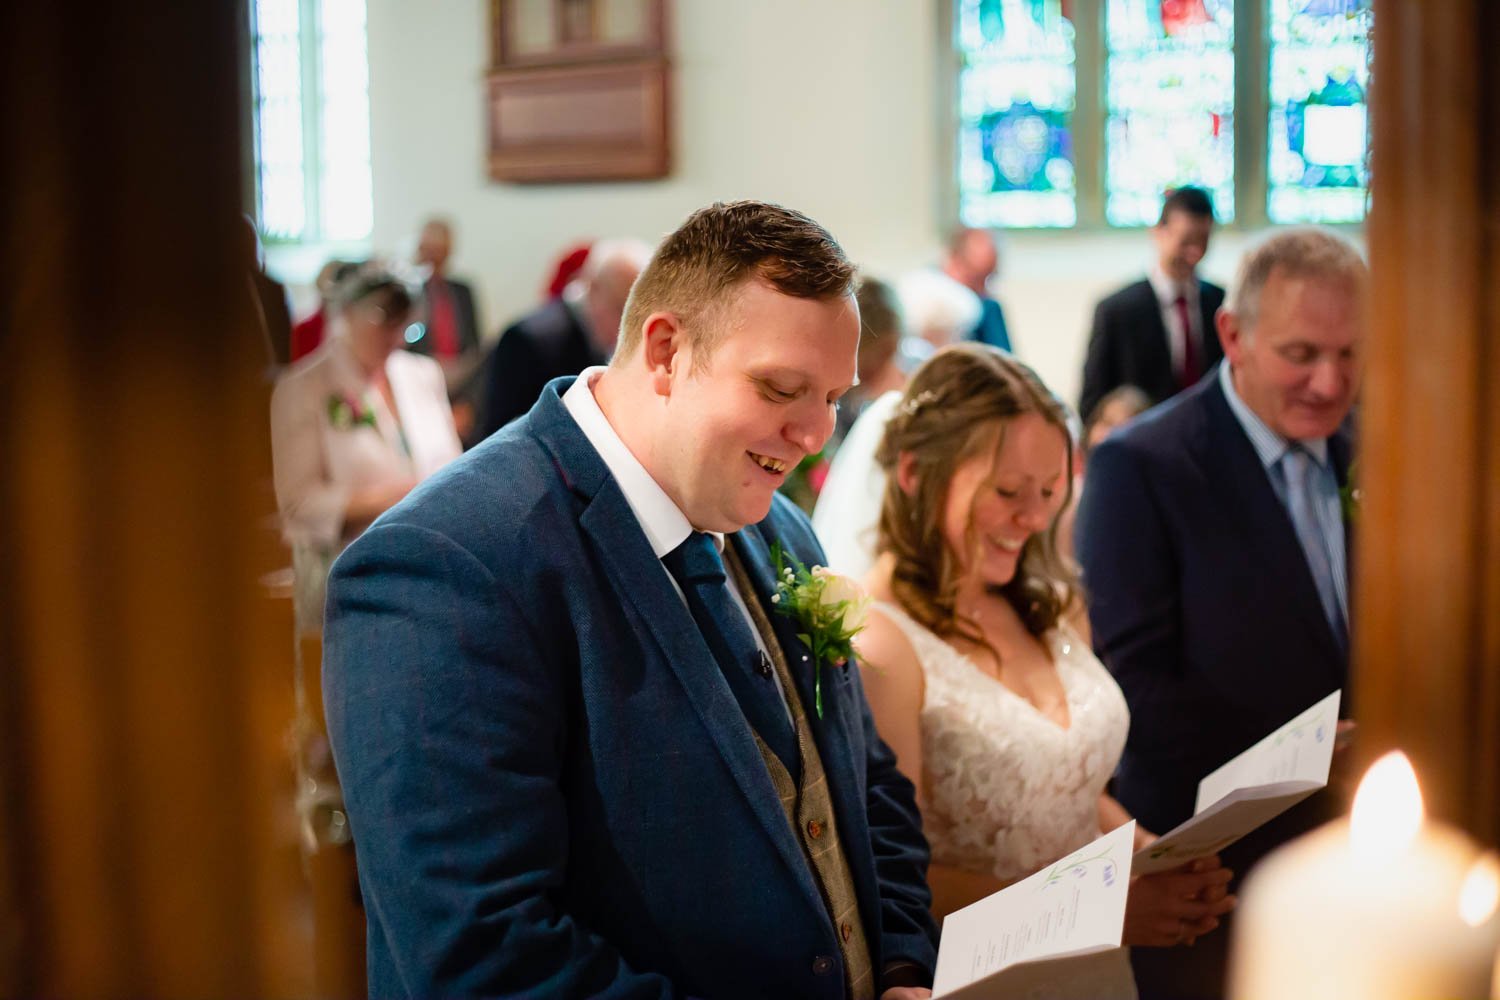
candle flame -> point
(1387, 808)
(1479, 897)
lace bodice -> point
(1007, 789)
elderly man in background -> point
(450, 325)
(1158, 333)
(562, 337)
(972, 260)
(1215, 549)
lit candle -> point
(1380, 906)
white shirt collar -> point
(1167, 289)
(1269, 445)
(664, 523)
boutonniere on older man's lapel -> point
(1350, 495)
(829, 610)
(347, 412)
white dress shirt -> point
(1167, 290)
(664, 523)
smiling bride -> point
(973, 660)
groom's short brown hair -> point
(697, 270)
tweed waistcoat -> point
(809, 809)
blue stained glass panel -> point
(1317, 168)
(1169, 97)
(1016, 100)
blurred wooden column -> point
(149, 844)
(1427, 654)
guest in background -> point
(565, 270)
(1215, 551)
(1114, 411)
(1158, 333)
(972, 656)
(354, 426)
(563, 336)
(268, 296)
(449, 330)
(973, 261)
(937, 311)
(308, 333)
(880, 336)
(450, 323)
(881, 327)
(880, 332)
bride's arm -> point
(895, 688)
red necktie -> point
(440, 316)
(1190, 370)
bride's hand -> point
(1177, 906)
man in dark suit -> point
(1215, 551)
(563, 337)
(1158, 334)
(450, 324)
(579, 748)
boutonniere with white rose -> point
(829, 609)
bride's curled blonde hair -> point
(958, 405)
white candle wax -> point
(1323, 918)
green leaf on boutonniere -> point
(829, 608)
(347, 412)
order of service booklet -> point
(1253, 788)
(1054, 934)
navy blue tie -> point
(699, 571)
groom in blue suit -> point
(579, 750)
(1216, 554)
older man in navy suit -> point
(1216, 552)
(581, 753)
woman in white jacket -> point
(354, 426)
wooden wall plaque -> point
(578, 90)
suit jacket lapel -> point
(642, 583)
(1340, 455)
(1152, 342)
(845, 780)
(1231, 465)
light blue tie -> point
(1301, 504)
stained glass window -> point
(312, 120)
(1016, 98)
(1316, 169)
(1169, 101)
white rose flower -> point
(839, 589)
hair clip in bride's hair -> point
(921, 399)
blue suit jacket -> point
(1202, 605)
(552, 790)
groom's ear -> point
(663, 350)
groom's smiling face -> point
(739, 420)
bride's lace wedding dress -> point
(1007, 789)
